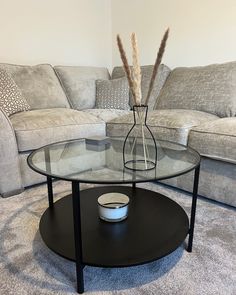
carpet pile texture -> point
(27, 266)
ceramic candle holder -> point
(113, 207)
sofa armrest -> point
(10, 177)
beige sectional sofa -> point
(192, 106)
(197, 107)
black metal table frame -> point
(77, 221)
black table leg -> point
(50, 191)
(77, 236)
(193, 209)
(49, 179)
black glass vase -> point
(139, 149)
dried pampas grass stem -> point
(126, 66)
(157, 63)
(136, 70)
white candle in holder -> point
(113, 207)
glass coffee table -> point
(71, 227)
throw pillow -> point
(11, 99)
(112, 94)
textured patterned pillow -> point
(112, 94)
(11, 99)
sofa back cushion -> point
(79, 84)
(162, 74)
(209, 88)
(39, 85)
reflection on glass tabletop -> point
(94, 160)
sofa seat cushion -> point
(216, 139)
(172, 125)
(107, 114)
(37, 128)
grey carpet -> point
(27, 266)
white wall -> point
(76, 32)
(201, 32)
(82, 32)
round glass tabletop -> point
(100, 160)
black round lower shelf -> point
(155, 227)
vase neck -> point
(140, 114)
